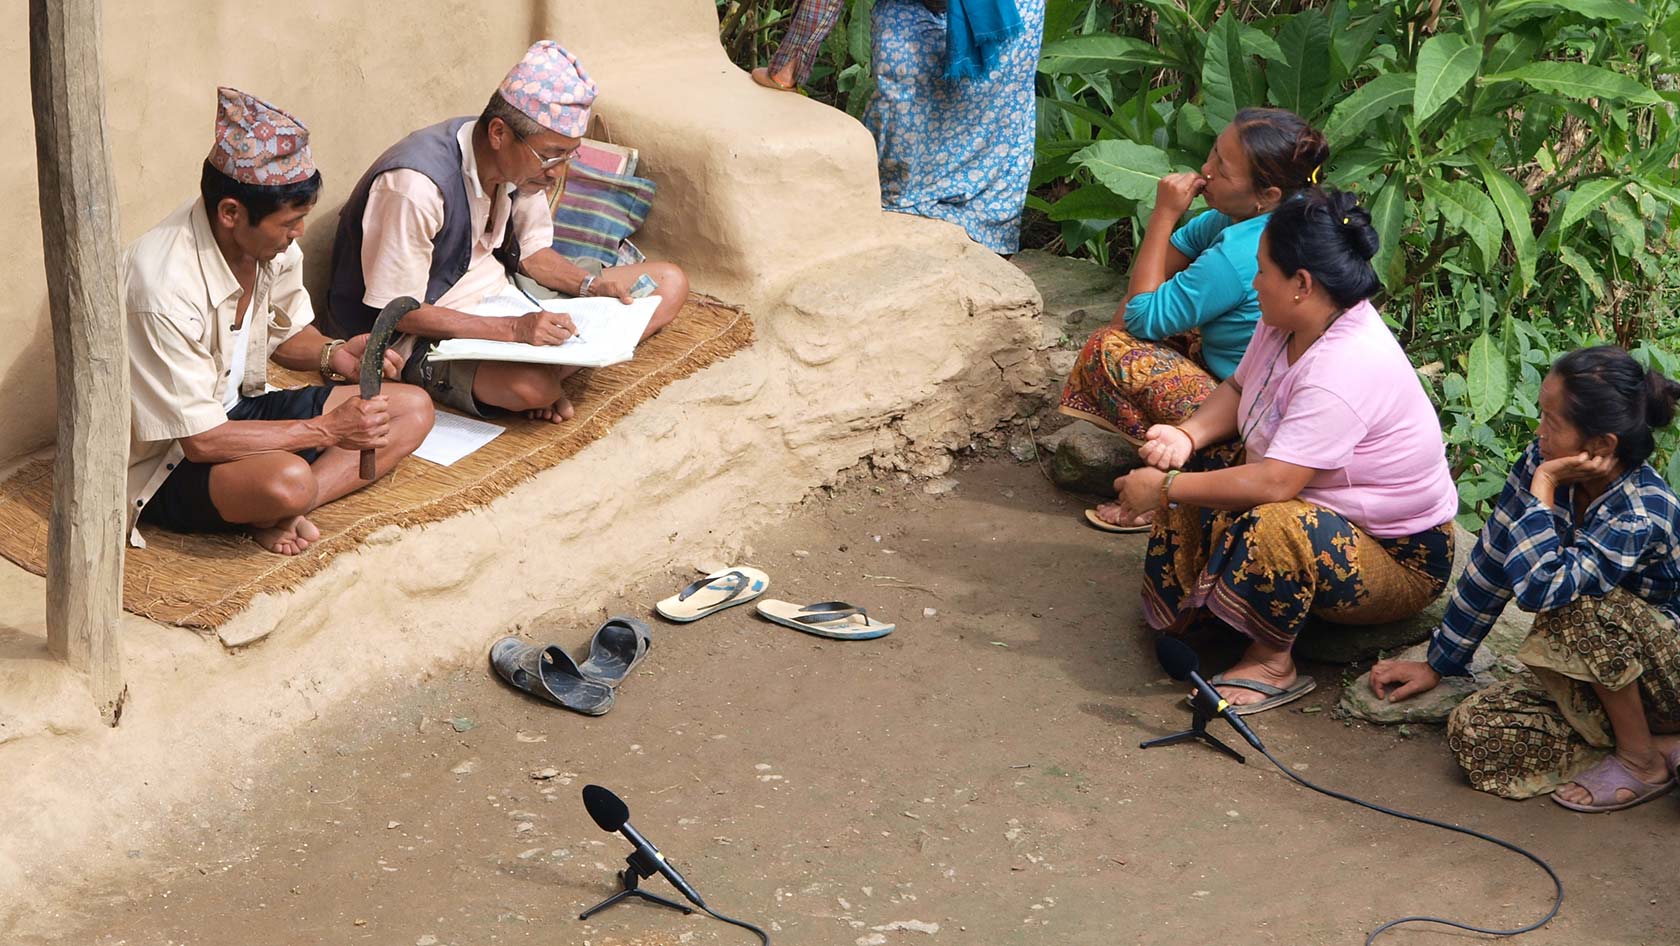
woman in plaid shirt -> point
(1584, 534)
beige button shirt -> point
(180, 302)
(404, 214)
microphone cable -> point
(763, 937)
(1557, 902)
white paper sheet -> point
(608, 331)
(454, 437)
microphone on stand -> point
(1181, 663)
(612, 815)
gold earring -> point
(1297, 297)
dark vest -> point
(436, 153)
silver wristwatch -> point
(583, 287)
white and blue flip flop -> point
(709, 595)
(832, 619)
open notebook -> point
(608, 331)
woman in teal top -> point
(1190, 305)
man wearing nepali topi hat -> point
(210, 296)
(452, 212)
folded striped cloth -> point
(596, 210)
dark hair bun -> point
(1661, 393)
(1354, 223)
(1329, 235)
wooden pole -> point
(87, 534)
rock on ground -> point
(1087, 458)
(1486, 669)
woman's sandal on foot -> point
(1094, 519)
(1274, 696)
(1605, 779)
(833, 619)
(709, 595)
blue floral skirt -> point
(954, 149)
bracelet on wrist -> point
(331, 348)
(1166, 487)
(1187, 436)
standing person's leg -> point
(791, 64)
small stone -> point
(358, 922)
(1089, 459)
(873, 939)
(929, 612)
(427, 940)
(524, 736)
(529, 853)
(522, 827)
(801, 553)
(462, 724)
(543, 775)
(1022, 447)
(940, 486)
(907, 926)
(465, 768)
(392, 824)
(763, 767)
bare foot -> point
(286, 536)
(1263, 665)
(557, 413)
(1651, 768)
(781, 81)
(1114, 516)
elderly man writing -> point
(210, 296)
(452, 212)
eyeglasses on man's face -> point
(547, 164)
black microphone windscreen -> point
(608, 810)
(1176, 657)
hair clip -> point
(1345, 221)
(1313, 177)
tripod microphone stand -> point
(641, 867)
(1201, 714)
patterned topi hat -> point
(550, 86)
(257, 143)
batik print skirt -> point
(1540, 729)
(1266, 570)
(954, 149)
(1127, 384)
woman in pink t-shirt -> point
(1314, 480)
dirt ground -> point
(978, 770)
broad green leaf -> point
(1300, 80)
(1091, 115)
(1350, 40)
(1587, 197)
(1127, 168)
(1488, 378)
(1582, 268)
(1353, 115)
(1664, 193)
(1100, 52)
(1578, 81)
(1256, 43)
(1511, 12)
(1517, 210)
(1091, 202)
(1444, 66)
(859, 41)
(1471, 210)
(1228, 77)
(1388, 216)
(1514, 49)
(1350, 166)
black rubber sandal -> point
(550, 674)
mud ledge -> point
(893, 356)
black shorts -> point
(182, 503)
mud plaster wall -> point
(734, 182)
